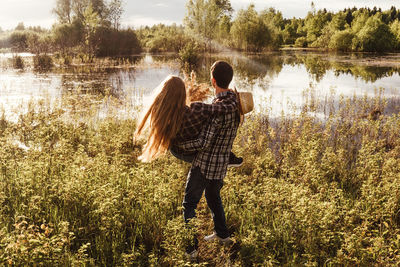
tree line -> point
(87, 28)
(210, 25)
(92, 28)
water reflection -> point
(277, 79)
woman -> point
(170, 119)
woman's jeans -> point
(195, 186)
(187, 157)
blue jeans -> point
(196, 184)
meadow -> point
(312, 191)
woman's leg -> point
(182, 156)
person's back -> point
(213, 159)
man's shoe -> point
(234, 161)
(214, 236)
(192, 256)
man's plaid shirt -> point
(198, 115)
(214, 144)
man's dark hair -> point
(222, 72)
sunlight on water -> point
(279, 81)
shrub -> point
(301, 42)
(341, 40)
(19, 41)
(127, 44)
(42, 62)
(189, 55)
(18, 62)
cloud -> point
(138, 21)
(161, 5)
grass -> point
(311, 192)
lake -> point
(280, 81)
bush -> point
(189, 55)
(66, 36)
(301, 42)
(19, 41)
(127, 43)
(18, 62)
(342, 40)
(42, 62)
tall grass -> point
(311, 192)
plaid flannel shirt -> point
(198, 115)
(215, 142)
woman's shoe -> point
(234, 161)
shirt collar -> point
(222, 94)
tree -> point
(395, 29)
(249, 30)
(19, 41)
(314, 23)
(90, 23)
(290, 33)
(20, 27)
(115, 11)
(66, 36)
(375, 36)
(342, 40)
(63, 10)
(338, 23)
(204, 16)
(274, 21)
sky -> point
(149, 12)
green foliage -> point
(162, 38)
(43, 62)
(375, 36)
(40, 44)
(342, 40)
(128, 43)
(67, 36)
(190, 55)
(337, 24)
(310, 192)
(249, 30)
(395, 29)
(314, 23)
(301, 42)
(203, 18)
(92, 28)
(290, 32)
(18, 40)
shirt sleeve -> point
(204, 139)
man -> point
(210, 164)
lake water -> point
(280, 81)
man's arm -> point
(223, 106)
(204, 139)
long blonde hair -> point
(165, 118)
